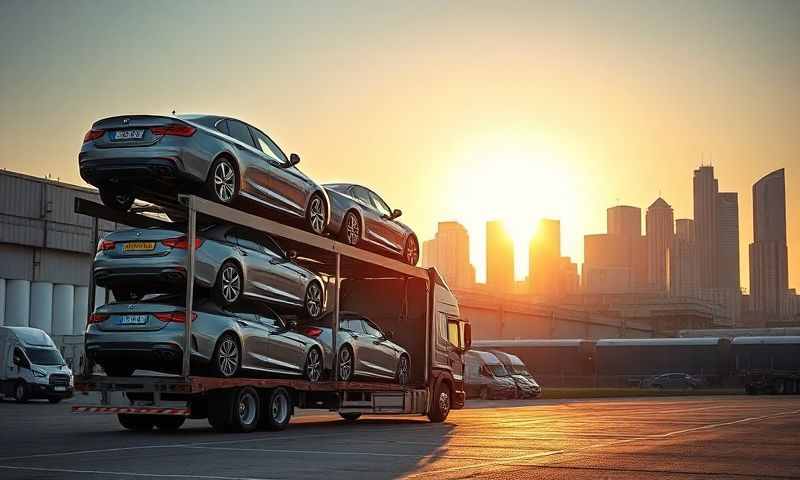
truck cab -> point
(450, 340)
(32, 367)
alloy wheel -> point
(231, 284)
(316, 215)
(313, 366)
(224, 181)
(412, 251)
(345, 364)
(402, 371)
(352, 229)
(444, 403)
(228, 360)
(313, 300)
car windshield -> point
(44, 356)
(498, 370)
(520, 370)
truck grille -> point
(59, 379)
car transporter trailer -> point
(231, 404)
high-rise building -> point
(499, 259)
(683, 266)
(728, 220)
(660, 230)
(624, 220)
(568, 276)
(705, 188)
(769, 268)
(449, 253)
(544, 255)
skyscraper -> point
(449, 253)
(660, 230)
(624, 220)
(499, 258)
(706, 225)
(683, 266)
(769, 268)
(616, 262)
(544, 258)
(728, 220)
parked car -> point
(364, 349)
(32, 367)
(486, 377)
(153, 158)
(147, 335)
(672, 380)
(526, 384)
(235, 262)
(360, 217)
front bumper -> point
(42, 390)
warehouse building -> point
(45, 258)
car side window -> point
(249, 240)
(270, 149)
(222, 126)
(270, 320)
(371, 329)
(380, 205)
(269, 244)
(239, 131)
(363, 195)
(354, 325)
(19, 358)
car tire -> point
(223, 181)
(313, 367)
(116, 198)
(484, 393)
(118, 370)
(317, 214)
(54, 400)
(346, 364)
(440, 404)
(227, 358)
(21, 392)
(411, 251)
(350, 417)
(403, 374)
(351, 229)
(135, 422)
(229, 285)
(312, 304)
(168, 423)
(276, 409)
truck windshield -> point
(498, 370)
(44, 356)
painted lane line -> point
(127, 474)
(350, 453)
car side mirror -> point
(396, 213)
(467, 336)
(291, 324)
(291, 254)
(294, 159)
(388, 335)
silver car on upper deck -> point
(233, 261)
(154, 158)
(360, 217)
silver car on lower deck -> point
(233, 261)
(149, 335)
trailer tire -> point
(276, 409)
(440, 403)
(168, 423)
(350, 417)
(135, 422)
(245, 410)
(219, 410)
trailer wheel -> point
(246, 410)
(350, 417)
(137, 423)
(219, 410)
(168, 423)
(440, 404)
(277, 409)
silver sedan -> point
(360, 217)
(154, 158)
(364, 350)
(149, 335)
(235, 262)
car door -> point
(285, 278)
(250, 162)
(255, 262)
(251, 331)
(381, 357)
(285, 349)
(286, 185)
(373, 231)
(351, 327)
(389, 229)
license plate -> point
(132, 320)
(138, 246)
(128, 135)
(60, 389)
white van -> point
(31, 366)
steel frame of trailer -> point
(190, 385)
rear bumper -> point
(156, 356)
(168, 276)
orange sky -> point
(465, 111)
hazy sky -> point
(451, 110)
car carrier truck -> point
(414, 302)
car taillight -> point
(93, 134)
(312, 332)
(179, 317)
(181, 242)
(103, 245)
(96, 318)
(176, 129)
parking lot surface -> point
(664, 438)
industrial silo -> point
(18, 303)
(63, 309)
(2, 301)
(41, 309)
(80, 310)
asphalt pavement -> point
(662, 438)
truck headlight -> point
(39, 373)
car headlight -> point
(39, 373)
